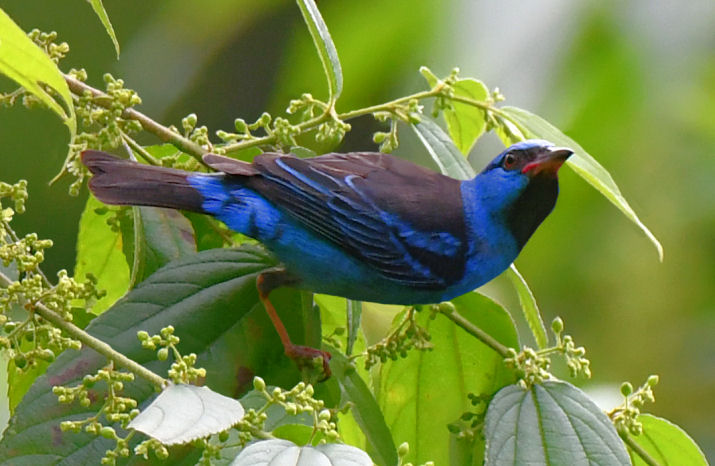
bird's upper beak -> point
(547, 161)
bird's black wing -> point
(404, 220)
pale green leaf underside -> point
(98, 8)
(26, 64)
(182, 413)
(581, 162)
(325, 46)
(548, 424)
(278, 452)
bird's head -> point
(521, 183)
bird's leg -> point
(302, 355)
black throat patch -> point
(532, 207)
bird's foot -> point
(308, 358)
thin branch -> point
(88, 340)
(633, 445)
(162, 132)
(475, 331)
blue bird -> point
(365, 226)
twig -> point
(162, 132)
(633, 445)
(88, 340)
(475, 331)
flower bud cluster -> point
(104, 385)
(182, 370)
(27, 338)
(407, 336)
(625, 417)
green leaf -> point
(160, 236)
(99, 252)
(529, 307)
(203, 412)
(549, 423)
(451, 162)
(353, 309)
(423, 393)
(211, 300)
(365, 410)
(277, 452)
(466, 122)
(324, 44)
(666, 443)
(581, 162)
(25, 63)
(98, 8)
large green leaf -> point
(25, 63)
(666, 443)
(160, 236)
(581, 162)
(99, 252)
(421, 394)
(324, 44)
(211, 300)
(547, 424)
(101, 13)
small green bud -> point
(324, 415)
(20, 361)
(223, 436)
(163, 354)
(653, 380)
(557, 325)
(107, 432)
(626, 389)
(403, 449)
(142, 335)
(446, 307)
(240, 125)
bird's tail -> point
(123, 182)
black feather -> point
(123, 182)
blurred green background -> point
(632, 82)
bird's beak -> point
(547, 161)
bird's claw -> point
(305, 357)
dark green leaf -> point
(99, 252)
(102, 15)
(450, 161)
(423, 393)
(324, 44)
(529, 307)
(211, 300)
(666, 443)
(466, 122)
(25, 63)
(365, 410)
(550, 423)
(582, 163)
(160, 236)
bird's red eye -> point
(509, 161)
